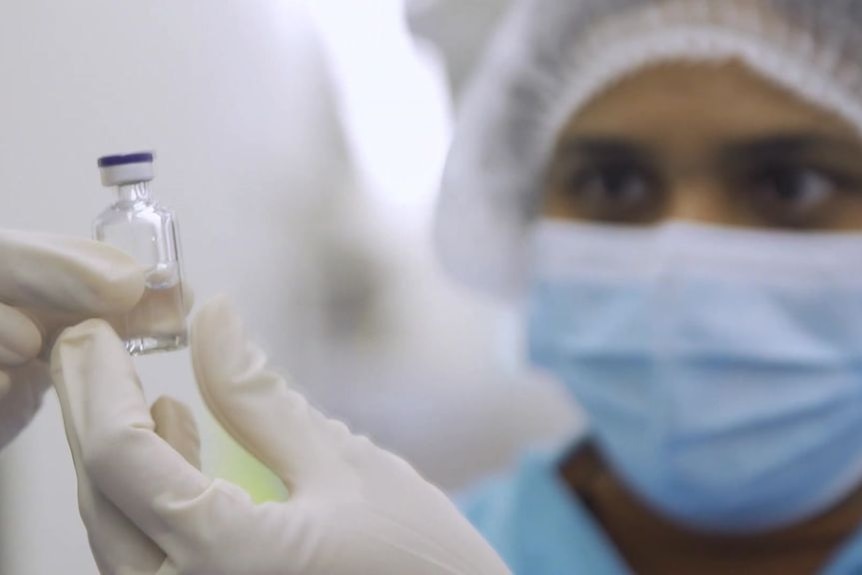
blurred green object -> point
(238, 466)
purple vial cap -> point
(126, 159)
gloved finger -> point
(20, 338)
(67, 275)
(176, 424)
(21, 391)
(118, 545)
(256, 406)
(112, 435)
(160, 317)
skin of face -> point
(707, 142)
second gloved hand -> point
(353, 508)
(47, 283)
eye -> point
(792, 196)
(625, 194)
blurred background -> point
(300, 143)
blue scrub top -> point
(539, 527)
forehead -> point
(695, 104)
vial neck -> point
(133, 193)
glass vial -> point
(142, 228)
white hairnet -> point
(550, 57)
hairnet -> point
(550, 57)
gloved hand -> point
(353, 508)
(48, 283)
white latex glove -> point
(354, 509)
(48, 283)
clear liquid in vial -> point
(157, 323)
(148, 232)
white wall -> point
(235, 98)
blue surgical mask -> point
(721, 369)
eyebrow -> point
(757, 150)
(607, 149)
(785, 146)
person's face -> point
(710, 143)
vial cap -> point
(122, 169)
